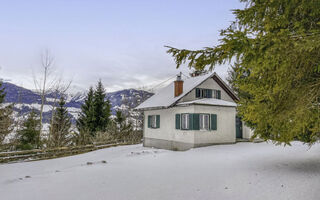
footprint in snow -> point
(94, 163)
(144, 152)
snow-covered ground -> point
(241, 171)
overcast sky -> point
(120, 42)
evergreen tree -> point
(2, 93)
(123, 127)
(120, 118)
(6, 120)
(102, 108)
(28, 136)
(275, 47)
(60, 126)
(85, 122)
(95, 112)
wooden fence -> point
(41, 154)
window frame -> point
(187, 122)
(153, 123)
(217, 93)
(202, 121)
(204, 93)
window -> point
(196, 121)
(153, 121)
(204, 121)
(185, 121)
(208, 93)
(217, 94)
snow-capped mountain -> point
(25, 100)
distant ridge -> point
(25, 100)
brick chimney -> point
(178, 86)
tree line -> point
(95, 124)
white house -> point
(194, 112)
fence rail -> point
(42, 154)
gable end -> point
(225, 88)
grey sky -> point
(120, 42)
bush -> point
(114, 134)
(25, 147)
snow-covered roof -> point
(210, 101)
(165, 98)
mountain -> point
(25, 100)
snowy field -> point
(241, 171)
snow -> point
(165, 96)
(46, 108)
(210, 101)
(52, 99)
(74, 111)
(241, 171)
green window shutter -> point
(149, 121)
(196, 122)
(209, 93)
(213, 122)
(190, 121)
(218, 94)
(158, 121)
(178, 121)
(197, 93)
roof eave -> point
(151, 108)
(203, 104)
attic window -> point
(217, 94)
(208, 93)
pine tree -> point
(95, 112)
(274, 46)
(60, 126)
(85, 122)
(123, 127)
(119, 117)
(6, 120)
(102, 108)
(28, 135)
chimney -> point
(178, 86)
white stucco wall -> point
(225, 132)
(167, 130)
(247, 132)
(208, 84)
(226, 125)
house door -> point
(238, 128)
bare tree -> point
(137, 100)
(45, 83)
